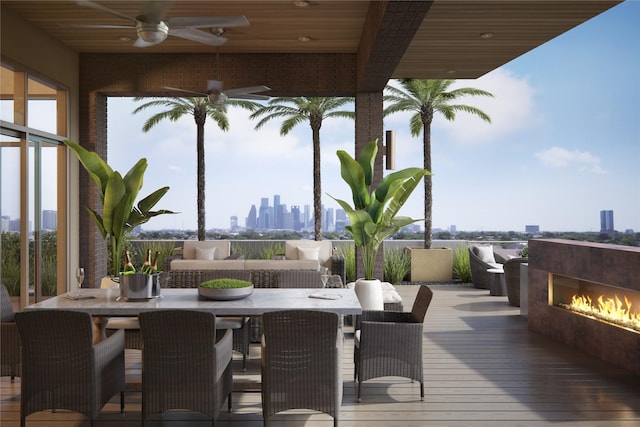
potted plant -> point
(374, 212)
(118, 195)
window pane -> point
(10, 210)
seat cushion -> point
(123, 323)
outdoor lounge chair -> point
(301, 362)
(481, 259)
(63, 369)
(512, 279)
(389, 343)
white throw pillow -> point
(309, 254)
(485, 253)
(205, 254)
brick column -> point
(369, 126)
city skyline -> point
(562, 146)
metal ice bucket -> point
(139, 286)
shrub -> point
(349, 254)
(139, 252)
(461, 264)
(397, 265)
(274, 248)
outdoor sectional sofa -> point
(300, 268)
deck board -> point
(482, 368)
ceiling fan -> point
(218, 97)
(152, 27)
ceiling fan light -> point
(152, 33)
(217, 98)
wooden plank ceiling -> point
(456, 39)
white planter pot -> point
(369, 293)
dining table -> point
(102, 303)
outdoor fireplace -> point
(617, 306)
(561, 271)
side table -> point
(498, 285)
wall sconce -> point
(390, 149)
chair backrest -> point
(169, 331)
(421, 303)
(55, 334)
(6, 309)
(307, 332)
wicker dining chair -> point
(240, 325)
(63, 369)
(9, 337)
(389, 343)
(186, 364)
(301, 362)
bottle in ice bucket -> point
(128, 265)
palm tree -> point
(425, 98)
(200, 108)
(295, 111)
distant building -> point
(452, 228)
(252, 219)
(532, 229)
(49, 220)
(233, 223)
(606, 222)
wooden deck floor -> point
(482, 368)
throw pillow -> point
(308, 254)
(485, 253)
(205, 254)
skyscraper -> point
(252, 219)
(606, 222)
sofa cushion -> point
(205, 253)
(324, 253)
(309, 254)
(223, 248)
(195, 264)
(485, 253)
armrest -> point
(223, 351)
(109, 349)
(387, 316)
(166, 263)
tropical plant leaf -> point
(152, 199)
(113, 194)
(352, 173)
(367, 160)
(96, 167)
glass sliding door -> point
(33, 186)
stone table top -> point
(103, 302)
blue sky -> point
(564, 143)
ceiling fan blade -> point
(197, 36)
(184, 90)
(214, 86)
(89, 3)
(69, 25)
(251, 96)
(234, 93)
(207, 21)
(155, 10)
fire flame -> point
(611, 310)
